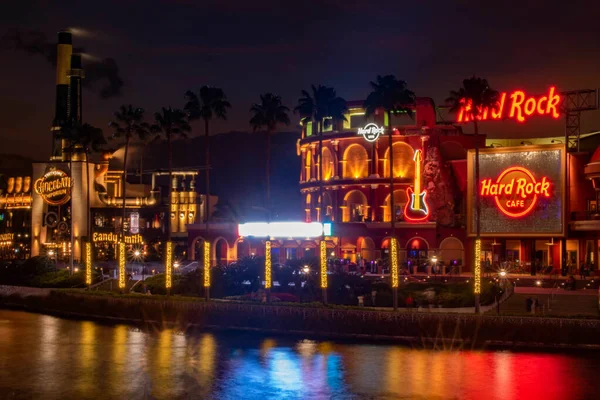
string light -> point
(267, 265)
(88, 263)
(122, 254)
(323, 248)
(168, 265)
(206, 264)
(477, 269)
(394, 261)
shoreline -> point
(413, 329)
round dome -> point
(596, 156)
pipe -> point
(150, 200)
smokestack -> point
(64, 48)
(75, 75)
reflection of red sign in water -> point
(516, 105)
(516, 191)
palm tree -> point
(323, 107)
(128, 124)
(268, 113)
(209, 102)
(391, 95)
(476, 95)
(170, 123)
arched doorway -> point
(404, 165)
(328, 164)
(452, 252)
(367, 248)
(198, 249)
(416, 252)
(220, 251)
(356, 162)
(400, 200)
(356, 207)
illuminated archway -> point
(196, 250)
(404, 165)
(356, 207)
(307, 165)
(452, 251)
(308, 208)
(356, 162)
(242, 248)
(328, 164)
(326, 206)
(220, 251)
(367, 248)
(400, 200)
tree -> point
(391, 95)
(209, 102)
(170, 123)
(268, 114)
(475, 95)
(128, 124)
(323, 107)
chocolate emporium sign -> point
(54, 187)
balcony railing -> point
(590, 215)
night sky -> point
(248, 47)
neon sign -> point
(54, 187)
(371, 132)
(516, 105)
(416, 208)
(516, 191)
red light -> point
(521, 106)
(515, 191)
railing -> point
(585, 215)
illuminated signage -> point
(371, 132)
(98, 237)
(134, 223)
(7, 237)
(416, 208)
(54, 187)
(516, 105)
(285, 229)
(516, 191)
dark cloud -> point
(101, 76)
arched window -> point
(308, 207)
(400, 200)
(327, 164)
(356, 162)
(356, 207)
(404, 165)
(307, 164)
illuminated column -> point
(477, 268)
(268, 265)
(394, 269)
(88, 263)
(323, 259)
(206, 269)
(169, 266)
(122, 254)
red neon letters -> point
(519, 107)
(515, 191)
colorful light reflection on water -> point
(52, 358)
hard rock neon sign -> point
(516, 191)
(516, 105)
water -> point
(51, 358)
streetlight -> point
(136, 253)
(538, 283)
(503, 274)
(306, 269)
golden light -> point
(267, 265)
(477, 268)
(323, 248)
(122, 253)
(503, 274)
(88, 263)
(394, 261)
(206, 264)
(168, 265)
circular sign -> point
(63, 227)
(51, 219)
(54, 187)
(516, 191)
(371, 132)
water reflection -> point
(51, 358)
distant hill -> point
(238, 168)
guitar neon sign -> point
(416, 209)
(516, 191)
(519, 106)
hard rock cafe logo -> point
(371, 132)
(516, 191)
(54, 187)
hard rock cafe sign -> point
(516, 191)
(54, 187)
(371, 132)
(516, 105)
